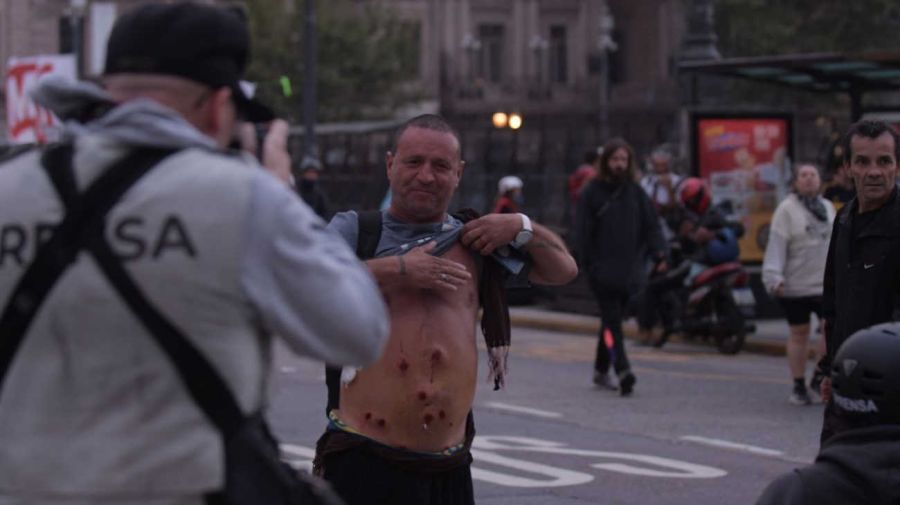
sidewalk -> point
(770, 336)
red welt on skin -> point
(403, 366)
(428, 418)
(382, 423)
(442, 414)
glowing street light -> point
(500, 119)
(515, 121)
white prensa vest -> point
(90, 402)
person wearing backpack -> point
(145, 273)
(399, 430)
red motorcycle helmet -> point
(695, 195)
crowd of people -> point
(146, 271)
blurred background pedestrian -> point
(509, 196)
(617, 228)
(309, 188)
(793, 270)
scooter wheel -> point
(731, 341)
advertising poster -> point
(746, 162)
(26, 122)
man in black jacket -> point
(862, 273)
(617, 227)
(859, 464)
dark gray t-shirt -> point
(398, 238)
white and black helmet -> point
(865, 373)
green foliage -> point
(367, 57)
(766, 27)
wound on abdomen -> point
(403, 365)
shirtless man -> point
(403, 430)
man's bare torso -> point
(418, 394)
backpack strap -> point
(369, 234)
(53, 258)
(366, 243)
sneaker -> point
(815, 384)
(799, 397)
(605, 381)
(626, 383)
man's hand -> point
(703, 235)
(491, 231)
(430, 272)
(779, 290)
(275, 156)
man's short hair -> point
(429, 122)
(871, 129)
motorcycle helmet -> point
(865, 378)
(695, 195)
(508, 183)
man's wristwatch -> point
(524, 236)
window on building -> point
(490, 64)
(558, 54)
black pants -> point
(612, 311)
(362, 477)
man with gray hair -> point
(161, 249)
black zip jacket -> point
(862, 278)
(856, 467)
(617, 229)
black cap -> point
(203, 43)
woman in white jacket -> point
(793, 269)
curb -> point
(590, 326)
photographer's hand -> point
(275, 157)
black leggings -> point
(612, 309)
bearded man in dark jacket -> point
(617, 229)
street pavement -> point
(701, 428)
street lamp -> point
(500, 120)
(76, 12)
(606, 45)
(515, 121)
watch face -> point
(523, 237)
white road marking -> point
(520, 473)
(558, 476)
(715, 442)
(522, 410)
(671, 468)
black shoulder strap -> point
(68, 239)
(369, 234)
(366, 243)
(83, 228)
(8, 153)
